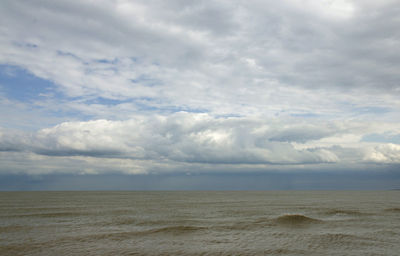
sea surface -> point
(200, 223)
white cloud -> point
(385, 153)
(186, 139)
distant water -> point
(200, 223)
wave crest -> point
(344, 212)
(295, 220)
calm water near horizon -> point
(200, 223)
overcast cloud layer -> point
(198, 86)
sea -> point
(200, 223)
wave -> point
(331, 237)
(150, 222)
(284, 251)
(14, 228)
(51, 215)
(115, 222)
(121, 212)
(176, 230)
(396, 210)
(118, 236)
(122, 222)
(237, 226)
(295, 220)
(344, 212)
(386, 232)
(265, 222)
(340, 239)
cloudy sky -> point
(235, 93)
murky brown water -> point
(200, 223)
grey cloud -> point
(12, 141)
(303, 133)
(100, 31)
(323, 53)
(223, 51)
(218, 18)
(9, 146)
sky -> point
(153, 94)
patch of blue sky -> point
(67, 114)
(149, 104)
(292, 112)
(108, 61)
(106, 101)
(222, 116)
(143, 104)
(146, 81)
(372, 110)
(365, 110)
(67, 54)
(185, 109)
(305, 115)
(25, 45)
(18, 84)
(382, 138)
